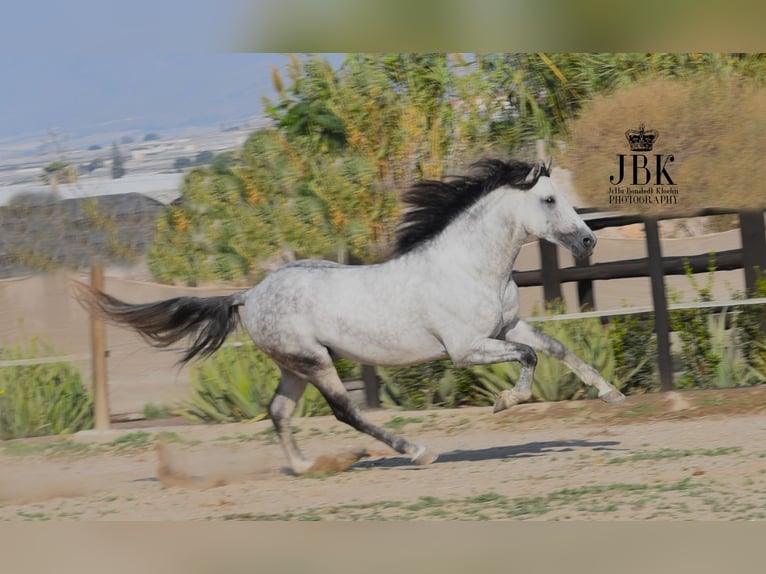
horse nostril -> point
(588, 241)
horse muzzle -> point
(581, 242)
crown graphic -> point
(641, 139)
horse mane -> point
(431, 205)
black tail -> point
(205, 320)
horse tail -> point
(207, 321)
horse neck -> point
(486, 239)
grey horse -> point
(446, 293)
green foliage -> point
(41, 399)
(429, 385)
(322, 181)
(347, 369)
(713, 352)
(751, 325)
(732, 369)
(699, 358)
(237, 383)
(152, 411)
(622, 352)
(634, 345)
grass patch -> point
(138, 439)
(483, 506)
(400, 422)
(641, 410)
(670, 453)
(152, 411)
(70, 448)
(66, 447)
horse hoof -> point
(505, 401)
(424, 456)
(612, 397)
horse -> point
(446, 292)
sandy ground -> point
(694, 455)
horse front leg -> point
(489, 351)
(524, 333)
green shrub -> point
(621, 351)
(43, 399)
(699, 360)
(152, 411)
(720, 349)
(237, 384)
(634, 345)
(586, 338)
(429, 385)
(751, 325)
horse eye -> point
(550, 200)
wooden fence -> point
(751, 258)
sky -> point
(82, 92)
(72, 66)
(85, 66)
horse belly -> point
(385, 347)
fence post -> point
(371, 387)
(585, 286)
(98, 356)
(549, 265)
(661, 316)
(753, 233)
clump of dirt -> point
(332, 463)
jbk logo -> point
(638, 165)
(641, 140)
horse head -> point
(548, 214)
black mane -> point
(430, 206)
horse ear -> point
(548, 166)
(534, 173)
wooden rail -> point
(751, 258)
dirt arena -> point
(695, 455)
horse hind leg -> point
(328, 382)
(281, 409)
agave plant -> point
(731, 368)
(587, 338)
(236, 384)
(41, 399)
